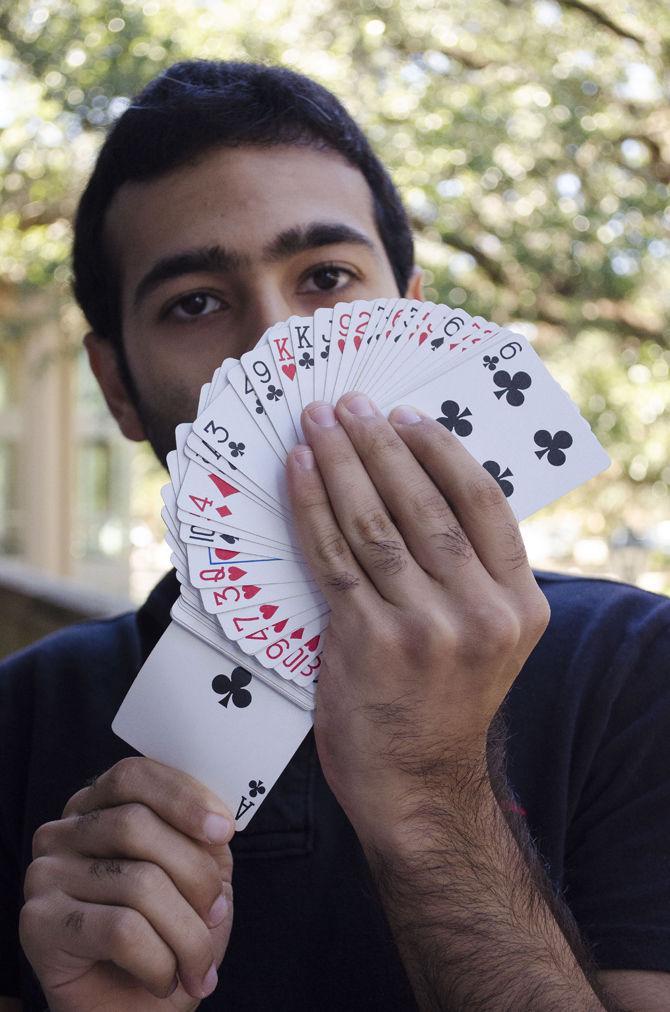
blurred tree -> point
(530, 139)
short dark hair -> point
(197, 105)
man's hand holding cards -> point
(387, 557)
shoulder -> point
(601, 663)
(92, 655)
(601, 617)
(78, 651)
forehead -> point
(242, 197)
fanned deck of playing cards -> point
(227, 694)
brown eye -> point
(192, 305)
(328, 278)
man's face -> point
(261, 234)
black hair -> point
(195, 106)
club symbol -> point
(259, 407)
(233, 688)
(454, 418)
(497, 472)
(236, 449)
(490, 361)
(324, 353)
(553, 445)
(511, 386)
(306, 360)
(256, 787)
(274, 393)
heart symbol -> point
(357, 341)
(224, 554)
(234, 572)
(268, 610)
(297, 633)
(340, 344)
(250, 591)
(313, 643)
(280, 625)
(288, 370)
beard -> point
(160, 410)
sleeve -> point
(617, 864)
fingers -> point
(86, 886)
(99, 932)
(351, 502)
(323, 544)
(133, 832)
(177, 798)
(476, 498)
(424, 518)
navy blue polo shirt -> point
(587, 759)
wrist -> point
(430, 812)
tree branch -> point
(602, 19)
(490, 266)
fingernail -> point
(217, 828)
(209, 981)
(404, 415)
(218, 911)
(323, 415)
(304, 458)
(360, 405)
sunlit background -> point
(531, 142)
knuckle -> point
(130, 822)
(381, 441)
(331, 548)
(125, 930)
(40, 875)
(501, 628)
(44, 838)
(121, 780)
(388, 557)
(105, 867)
(313, 502)
(430, 505)
(486, 493)
(453, 540)
(340, 456)
(149, 879)
(539, 614)
(372, 523)
(515, 550)
(33, 921)
(205, 884)
(490, 630)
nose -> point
(265, 309)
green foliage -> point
(530, 139)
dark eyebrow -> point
(319, 233)
(217, 260)
(204, 260)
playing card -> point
(261, 371)
(192, 708)
(220, 695)
(516, 421)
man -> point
(397, 863)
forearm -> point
(472, 912)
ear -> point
(415, 285)
(105, 367)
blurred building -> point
(65, 471)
